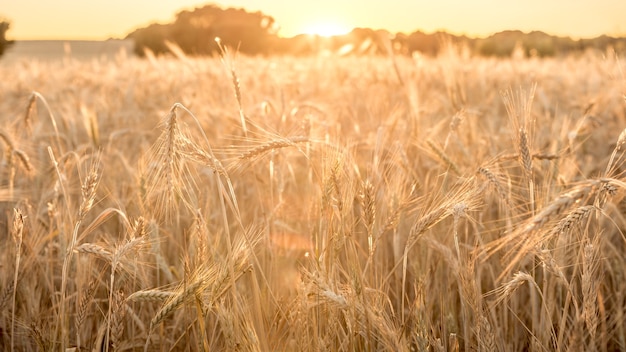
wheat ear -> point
(272, 145)
(621, 140)
(369, 214)
(526, 160)
(227, 61)
(576, 216)
(117, 320)
(493, 180)
(150, 296)
(81, 311)
(444, 157)
(120, 253)
(589, 283)
(506, 290)
(61, 324)
(523, 239)
(88, 196)
(18, 229)
(30, 110)
(485, 335)
(176, 301)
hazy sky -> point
(99, 19)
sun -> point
(327, 29)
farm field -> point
(322, 203)
(54, 50)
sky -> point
(99, 19)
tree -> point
(152, 38)
(195, 32)
(4, 43)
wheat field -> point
(454, 203)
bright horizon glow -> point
(327, 29)
(100, 19)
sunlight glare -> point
(327, 29)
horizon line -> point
(438, 31)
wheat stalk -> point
(193, 152)
(526, 161)
(443, 157)
(81, 311)
(458, 212)
(95, 249)
(62, 318)
(485, 335)
(88, 189)
(551, 266)
(132, 244)
(621, 140)
(171, 153)
(495, 183)
(177, 300)
(272, 145)
(519, 111)
(589, 283)
(37, 335)
(9, 155)
(118, 314)
(8, 141)
(166, 163)
(505, 291)
(228, 62)
(7, 293)
(31, 107)
(525, 156)
(212, 278)
(238, 329)
(16, 232)
(88, 194)
(199, 233)
(455, 122)
(576, 216)
(24, 160)
(465, 194)
(152, 295)
(369, 214)
(524, 239)
(335, 181)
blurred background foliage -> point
(255, 33)
(4, 42)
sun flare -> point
(327, 29)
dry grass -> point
(330, 203)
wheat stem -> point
(17, 230)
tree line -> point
(255, 33)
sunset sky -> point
(99, 19)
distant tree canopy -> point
(195, 32)
(256, 34)
(4, 43)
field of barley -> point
(328, 203)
